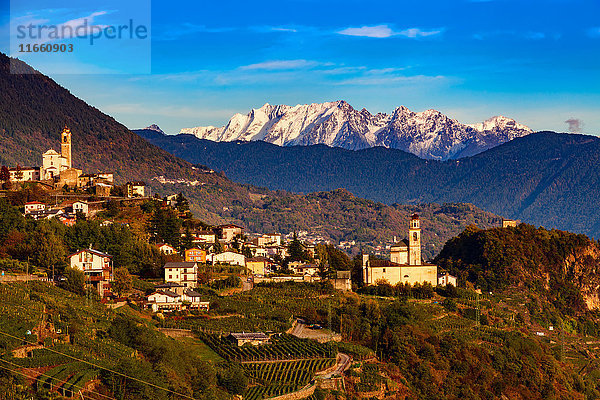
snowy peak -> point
(427, 134)
(499, 122)
(155, 128)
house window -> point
(384, 270)
(170, 276)
(406, 276)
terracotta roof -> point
(377, 263)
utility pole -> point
(27, 279)
(477, 312)
(562, 340)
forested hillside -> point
(545, 178)
(562, 268)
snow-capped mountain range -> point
(428, 134)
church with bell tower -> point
(405, 265)
(65, 146)
(59, 166)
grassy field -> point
(199, 349)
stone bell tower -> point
(414, 241)
(65, 146)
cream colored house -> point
(136, 189)
(259, 265)
(304, 269)
(81, 206)
(33, 206)
(227, 257)
(164, 300)
(26, 174)
(97, 267)
(208, 237)
(405, 264)
(268, 240)
(447, 279)
(183, 273)
(167, 249)
(229, 231)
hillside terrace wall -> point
(22, 278)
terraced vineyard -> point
(288, 372)
(278, 378)
(282, 347)
(263, 392)
(67, 379)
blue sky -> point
(535, 61)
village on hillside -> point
(259, 257)
(296, 315)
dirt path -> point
(321, 335)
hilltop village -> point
(110, 291)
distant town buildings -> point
(506, 223)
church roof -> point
(402, 243)
(378, 263)
(51, 152)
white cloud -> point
(416, 33)
(184, 29)
(273, 72)
(390, 79)
(44, 32)
(378, 31)
(385, 31)
(275, 65)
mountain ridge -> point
(428, 134)
(545, 178)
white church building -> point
(405, 264)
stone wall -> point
(22, 278)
